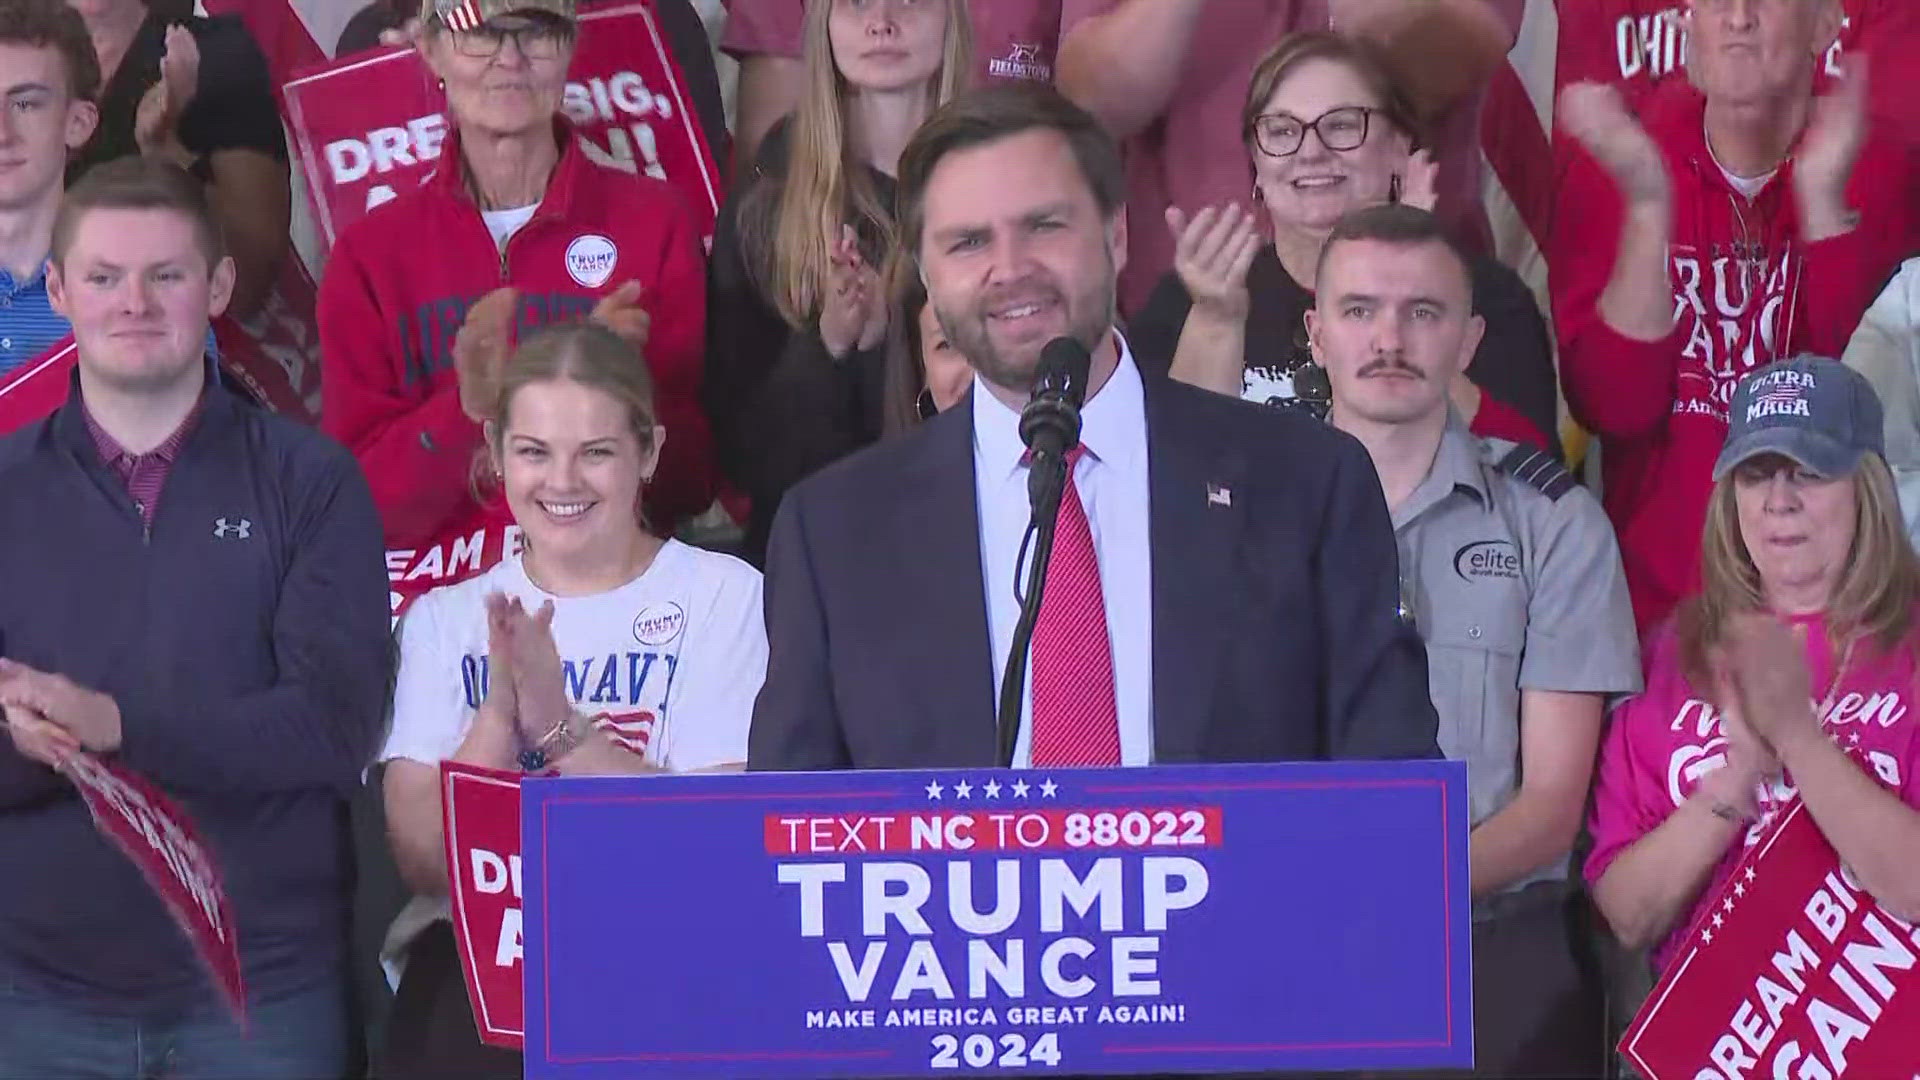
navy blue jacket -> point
(251, 665)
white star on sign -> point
(1749, 873)
(1739, 888)
(933, 789)
(1706, 937)
(1728, 906)
(1716, 921)
(992, 790)
(1020, 789)
(963, 790)
(1047, 788)
(1854, 739)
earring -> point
(925, 406)
(1258, 195)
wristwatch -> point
(557, 743)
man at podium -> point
(1223, 584)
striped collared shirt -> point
(28, 324)
(143, 474)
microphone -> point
(1050, 424)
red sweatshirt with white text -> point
(397, 288)
(1747, 290)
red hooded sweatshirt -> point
(397, 288)
(1747, 291)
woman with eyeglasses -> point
(800, 307)
(1327, 131)
(517, 228)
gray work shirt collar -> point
(1456, 467)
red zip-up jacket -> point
(397, 288)
(1659, 408)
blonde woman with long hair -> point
(1791, 671)
(799, 315)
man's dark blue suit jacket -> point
(1275, 635)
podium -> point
(1178, 919)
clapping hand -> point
(38, 739)
(481, 348)
(494, 740)
(853, 314)
(1836, 133)
(1212, 252)
(1596, 115)
(538, 676)
(1760, 669)
(407, 34)
(156, 123)
(620, 312)
(1419, 181)
(35, 701)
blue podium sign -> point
(1180, 919)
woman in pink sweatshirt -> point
(1791, 674)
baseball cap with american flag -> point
(1817, 411)
(470, 14)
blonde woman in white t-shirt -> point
(599, 649)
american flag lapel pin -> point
(1219, 495)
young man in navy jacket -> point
(195, 588)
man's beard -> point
(1090, 316)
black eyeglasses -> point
(539, 39)
(1281, 135)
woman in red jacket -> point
(518, 214)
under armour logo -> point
(224, 529)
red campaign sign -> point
(32, 391)
(1794, 972)
(161, 841)
(275, 352)
(481, 809)
(465, 549)
(371, 126)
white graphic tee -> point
(668, 665)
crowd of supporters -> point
(571, 420)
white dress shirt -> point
(1112, 480)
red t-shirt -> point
(1192, 157)
(1012, 39)
(1660, 745)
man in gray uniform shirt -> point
(1510, 570)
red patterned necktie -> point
(1075, 719)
